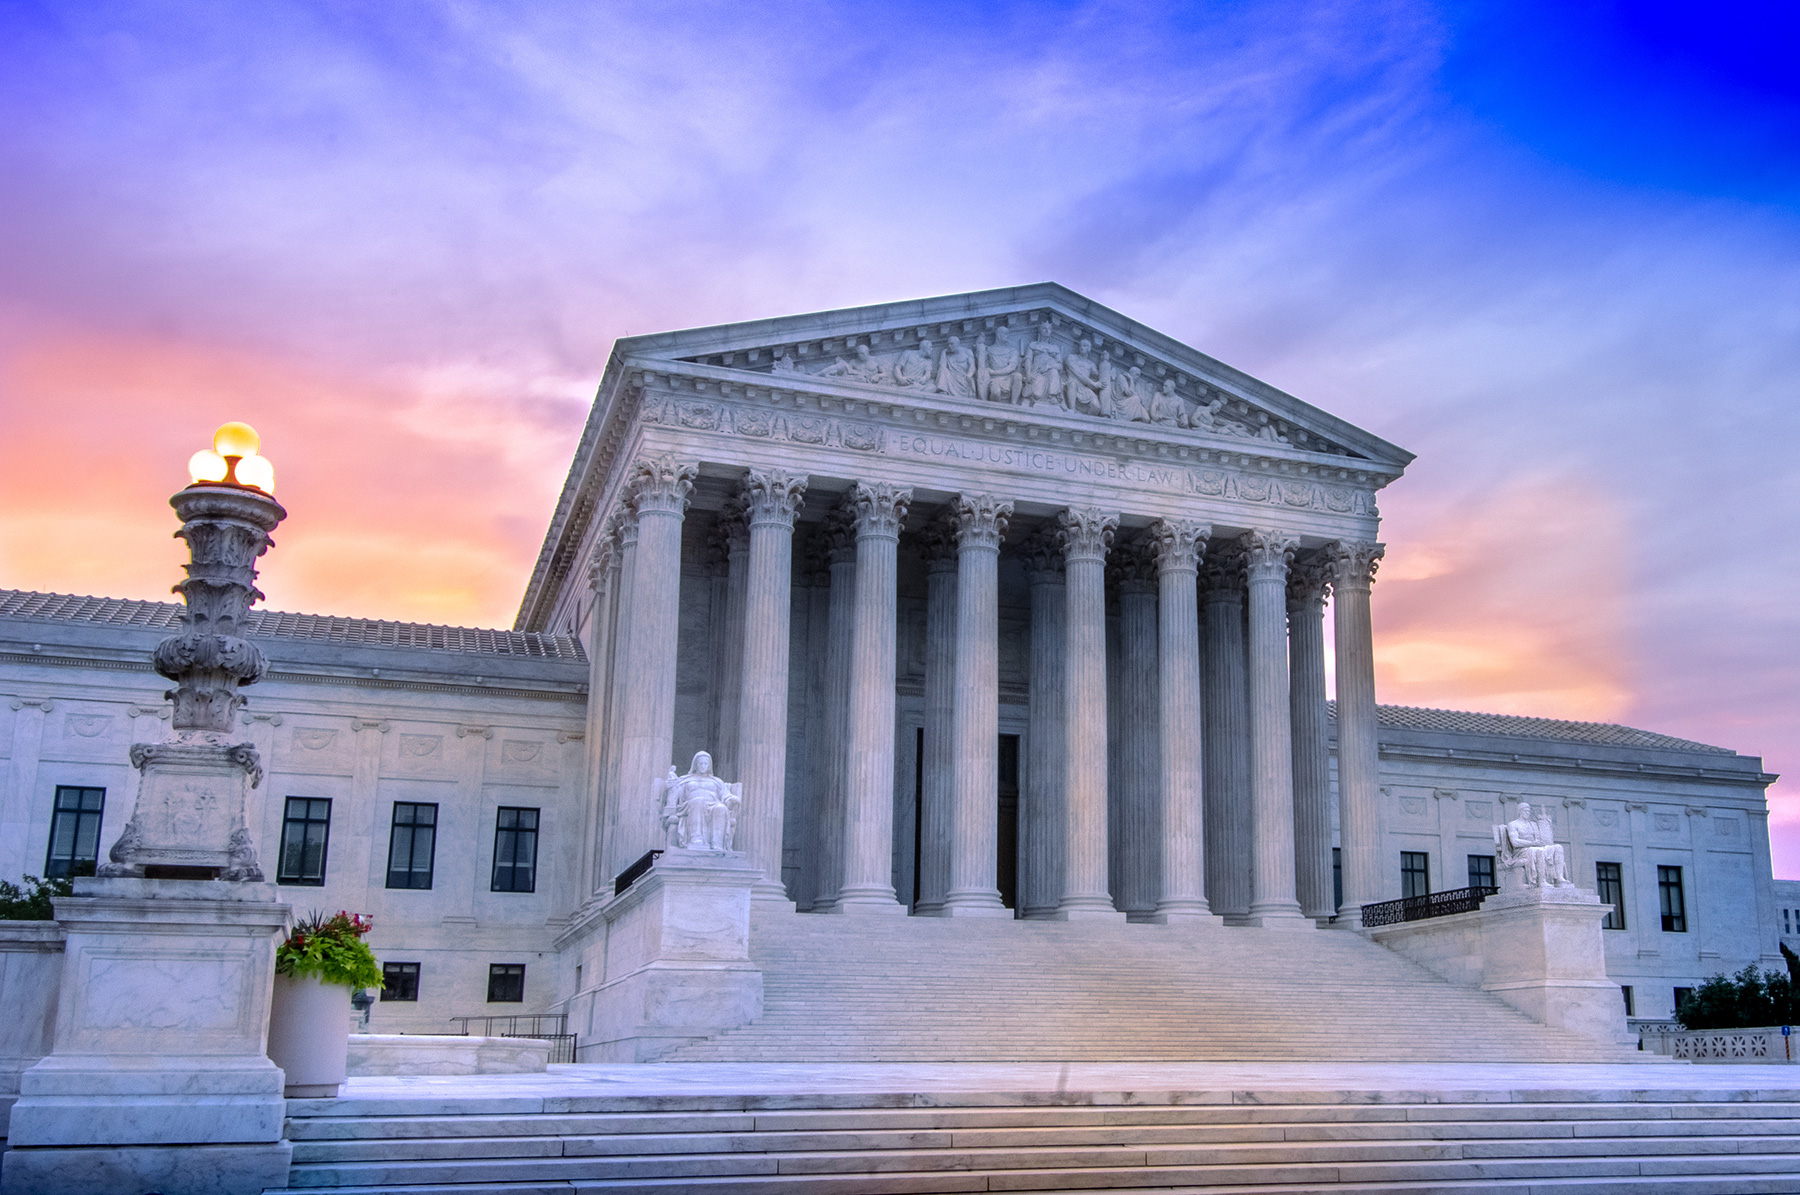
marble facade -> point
(994, 605)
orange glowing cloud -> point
(1512, 603)
(420, 498)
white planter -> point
(309, 1036)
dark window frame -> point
(407, 991)
(299, 877)
(1630, 1000)
(1672, 896)
(84, 818)
(1611, 887)
(1481, 871)
(1415, 873)
(500, 977)
(409, 832)
(508, 848)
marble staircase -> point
(1601, 1142)
(841, 989)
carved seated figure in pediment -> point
(1528, 854)
(699, 810)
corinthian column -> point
(659, 493)
(770, 497)
(1366, 881)
(1272, 898)
(938, 769)
(832, 756)
(1308, 580)
(1226, 738)
(619, 689)
(1136, 803)
(604, 579)
(980, 522)
(1041, 816)
(735, 533)
(869, 800)
(1086, 535)
(1182, 896)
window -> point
(506, 983)
(1481, 871)
(412, 844)
(1680, 995)
(305, 829)
(399, 981)
(74, 831)
(1784, 922)
(1337, 877)
(1630, 1007)
(515, 851)
(1609, 880)
(1415, 873)
(1674, 906)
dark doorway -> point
(1006, 870)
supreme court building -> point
(997, 605)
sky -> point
(1553, 249)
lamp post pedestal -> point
(159, 1078)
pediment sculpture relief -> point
(1055, 366)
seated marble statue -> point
(699, 810)
(864, 368)
(1529, 853)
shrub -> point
(331, 948)
(1749, 999)
(32, 902)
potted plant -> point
(323, 960)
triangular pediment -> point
(1039, 346)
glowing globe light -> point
(257, 473)
(207, 466)
(236, 439)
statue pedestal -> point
(1537, 948)
(159, 1079)
(675, 964)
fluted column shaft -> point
(980, 523)
(1272, 893)
(605, 579)
(1182, 893)
(1226, 738)
(613, 752)
(1086, 534)
(1139, 779)
(869, 799)
(938, 769)
(771, 497)
(660, 489)
(1366, 879)
(1312, 763)
(726, 760)
(1041, 815)
(834, 756)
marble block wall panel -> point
(31, 960)
(168, 1170)
(437, 1054)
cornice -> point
(1597, 767)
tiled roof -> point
(1406, 717)
(278, 624)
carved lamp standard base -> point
(189, 821)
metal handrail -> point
(635, 872)
(1420, 908)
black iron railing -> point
(1419, 908)
(544, 1026)
(635, 872)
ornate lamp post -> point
(159, 1078)
(188, 823)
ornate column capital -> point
(840, 533)
(730, 535)
(1353, 562)
(981, 520)
(937, 543)
(1309, 577)
(879, 509)
(773, 496)
(1043, 557)
(1085, 533)
(1267, 553)
(1132, 566)
(661, 484)
(606, 551)
(1222, 570)
(1179, 544)
(625, 521)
